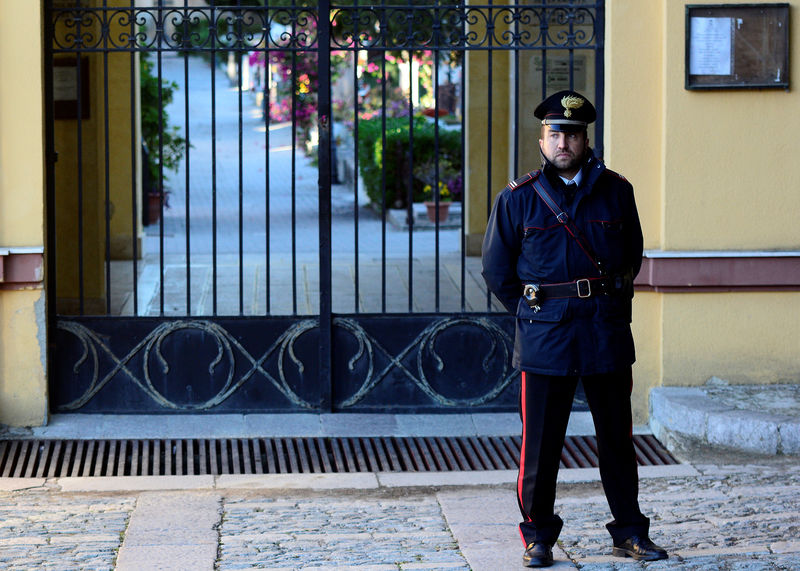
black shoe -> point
(538, 555)
(640, 548)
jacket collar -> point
(591, 170)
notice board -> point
(735, 46)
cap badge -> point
(569, 103)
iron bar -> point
(212, 29)
(325, 122)
(295, 88)
(517, 135)
(357, 275)
(599, 74)
(410, 191)
(463, 233)
(241, 170)
(383, 170)
(291, 453)
(436, 191)
(50, 177)
(161, 189)
(391, 453)
(269, 453)
(79, 133)
(303, 455)
(107, 177)
(267, 104)
(187, 165)
(135, 195)
(489, 143)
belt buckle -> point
(588, 289)
(529, 292)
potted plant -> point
(163, 146)
(443, 205)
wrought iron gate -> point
(285, 149)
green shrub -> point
(161, 140)
(399, 166)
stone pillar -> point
(485, 73)
(23, 332)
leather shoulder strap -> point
(569, 225)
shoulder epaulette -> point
(616, 174)
(524, 179)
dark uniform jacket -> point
(524, 243)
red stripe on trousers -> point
(521, 474)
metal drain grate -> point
(62, 458)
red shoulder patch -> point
(523, 180)
(616, 174)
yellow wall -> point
(21, 126)
(712, 171)
(479, 118)
(23, 383)
(634, 102)
(647, 329)
(23, 386)
(740, 337)
(85, 250)
(730, 177)
(121, 187)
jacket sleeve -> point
(502, 245)
(635, 239)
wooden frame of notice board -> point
(737, 46)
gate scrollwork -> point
(240, 366)
(295, 27)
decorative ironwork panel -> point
(173, 29)
(453, 363)
(472, 26)
(417, 27)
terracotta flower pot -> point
(444, 210)
(154, 200)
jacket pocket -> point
(541, 248)
(552, 311)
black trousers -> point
(546, 403)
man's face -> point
(565, 150)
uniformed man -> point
(562, 247)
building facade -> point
(715, 182)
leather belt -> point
(587, 287)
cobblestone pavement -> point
(40, 529)
(741, 517)
(326, 532)
(730, 517)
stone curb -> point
(354, 481)
(683, 416)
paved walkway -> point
(712, 515)
(721, 509)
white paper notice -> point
(710, 41)
(65, 84)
